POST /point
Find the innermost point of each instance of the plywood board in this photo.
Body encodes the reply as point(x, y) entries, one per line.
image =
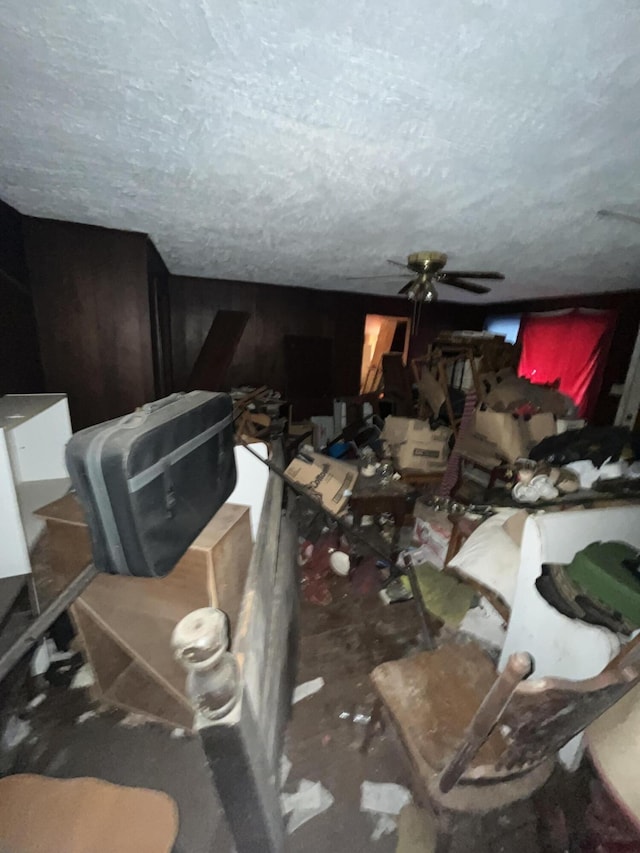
point(136, 690)
point(218, 350)
point(140, 626)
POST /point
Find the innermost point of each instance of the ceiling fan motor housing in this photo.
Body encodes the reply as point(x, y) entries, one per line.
point(426, 262)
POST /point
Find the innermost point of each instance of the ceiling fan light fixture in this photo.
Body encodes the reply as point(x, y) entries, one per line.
point(430, 294)
point(414, 290)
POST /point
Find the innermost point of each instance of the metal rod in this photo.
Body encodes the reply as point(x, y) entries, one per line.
point(300, 490)
point(39, 626)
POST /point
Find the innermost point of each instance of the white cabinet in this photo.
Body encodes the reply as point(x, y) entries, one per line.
point(34, 429)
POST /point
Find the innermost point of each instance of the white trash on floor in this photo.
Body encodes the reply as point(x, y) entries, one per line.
point(310, 800)
point(285, 769)
point(84, 677)
point(383, 801)
point(15, 731)
point(307, 688)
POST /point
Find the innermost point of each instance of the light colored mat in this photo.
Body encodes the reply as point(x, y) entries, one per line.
point(43, 815)
point(444, 596)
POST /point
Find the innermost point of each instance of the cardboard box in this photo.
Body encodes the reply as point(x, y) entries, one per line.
point(513, 436)
point(430, 388)
point(506, 392)
point(328, 480)
point(415, 446)
point(479, 450)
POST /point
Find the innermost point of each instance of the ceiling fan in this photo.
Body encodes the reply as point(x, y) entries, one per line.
point(428, 267)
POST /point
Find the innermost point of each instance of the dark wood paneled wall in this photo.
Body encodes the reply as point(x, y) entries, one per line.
point(91, 296)
point(627, 304)
point(160, 319)
point(20, 367)
point(277, 311)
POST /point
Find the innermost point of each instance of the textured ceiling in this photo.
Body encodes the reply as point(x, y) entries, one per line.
point(299, 141)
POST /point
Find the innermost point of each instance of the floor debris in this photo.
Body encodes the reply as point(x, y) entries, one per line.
point(383, 801)
point(310, 800)
point(285, 769)
point(14, 733)
point(383, 797)
point(87, 715)
point(307, 689)
point(84, 677)
point(132, 720)
point(385, 825)
point(37, 700)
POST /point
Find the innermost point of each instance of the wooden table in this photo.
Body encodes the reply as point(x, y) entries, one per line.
point(371, 497)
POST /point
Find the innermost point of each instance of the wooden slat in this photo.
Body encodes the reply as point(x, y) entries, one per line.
point(215, 357)
point(107, 658)
point(282, 645)
point(249, 643)
point(136, 690)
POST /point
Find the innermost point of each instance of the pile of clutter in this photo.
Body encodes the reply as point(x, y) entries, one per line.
point(600, 458)
point(415, 447)
point(513, 415)
point(259, 413)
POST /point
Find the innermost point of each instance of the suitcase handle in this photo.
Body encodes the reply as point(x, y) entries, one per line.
point(155, 405)
point(140, 415)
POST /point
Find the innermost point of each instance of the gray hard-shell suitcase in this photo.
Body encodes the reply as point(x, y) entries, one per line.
point(150, 481)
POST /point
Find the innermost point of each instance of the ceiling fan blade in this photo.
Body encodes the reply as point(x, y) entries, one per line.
point(495, 276)
point(398, 264)
point(613, 214)
point(454, 281)
point(405, 289)
point(364, 277)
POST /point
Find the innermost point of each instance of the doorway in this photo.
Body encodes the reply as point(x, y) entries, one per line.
point(381, 334)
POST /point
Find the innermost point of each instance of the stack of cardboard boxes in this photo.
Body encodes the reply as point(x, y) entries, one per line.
point(415, 447)
point(513, 416)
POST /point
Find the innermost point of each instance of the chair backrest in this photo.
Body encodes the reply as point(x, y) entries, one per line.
point(540, 716)
point(544, 714)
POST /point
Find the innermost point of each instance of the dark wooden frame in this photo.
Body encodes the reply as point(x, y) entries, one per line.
point(243, 748)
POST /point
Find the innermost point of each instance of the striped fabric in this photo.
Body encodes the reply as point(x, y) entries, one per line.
point(452, 472)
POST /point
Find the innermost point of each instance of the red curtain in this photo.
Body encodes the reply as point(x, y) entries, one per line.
point(569, 346)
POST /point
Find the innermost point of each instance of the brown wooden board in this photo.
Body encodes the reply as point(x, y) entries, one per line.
point(108, 660)
point(136, 690)
point(125, 623)
point(215, 357)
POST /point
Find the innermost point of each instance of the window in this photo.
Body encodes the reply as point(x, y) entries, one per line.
point(508, 325)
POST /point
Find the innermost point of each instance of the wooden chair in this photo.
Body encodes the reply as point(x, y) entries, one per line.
point(478, 742)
